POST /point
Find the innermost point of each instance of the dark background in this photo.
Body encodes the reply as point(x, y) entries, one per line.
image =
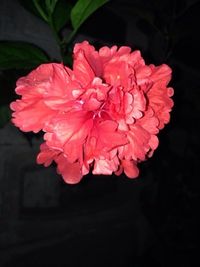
point(108, 221)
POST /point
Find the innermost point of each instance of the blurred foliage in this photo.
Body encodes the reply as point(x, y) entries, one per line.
point(20, 55)
point(82, 10)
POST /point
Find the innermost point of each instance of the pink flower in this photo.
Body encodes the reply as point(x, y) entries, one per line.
point(103, 115)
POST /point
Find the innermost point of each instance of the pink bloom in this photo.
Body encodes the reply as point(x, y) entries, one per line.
point(103, 115)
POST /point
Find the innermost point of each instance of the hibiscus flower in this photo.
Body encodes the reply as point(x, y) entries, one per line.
point(102, 115)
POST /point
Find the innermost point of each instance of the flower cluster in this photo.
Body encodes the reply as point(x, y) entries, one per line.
point(103, 115)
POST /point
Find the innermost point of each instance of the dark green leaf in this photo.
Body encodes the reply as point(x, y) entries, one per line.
point(83, 9)
point(20, 55)
point(61, 14)
point(50, 5)
point(29, 5)
point(42, 9)
point(5, 115)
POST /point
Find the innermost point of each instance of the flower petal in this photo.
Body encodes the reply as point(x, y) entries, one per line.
point(130, 168)
point(31, 116)
point(71, 172)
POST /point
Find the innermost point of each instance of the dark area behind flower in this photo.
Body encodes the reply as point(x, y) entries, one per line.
point(107, 220)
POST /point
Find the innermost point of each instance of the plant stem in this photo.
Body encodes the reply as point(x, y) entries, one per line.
point(55, 33)
point(58, 39)
point(70, 37)
point(49, 19)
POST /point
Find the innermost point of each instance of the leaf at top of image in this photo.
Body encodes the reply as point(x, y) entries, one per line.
point(50, 5)
point(20, 55)
point(83, 9)
point(61, 14)
point(30, 6)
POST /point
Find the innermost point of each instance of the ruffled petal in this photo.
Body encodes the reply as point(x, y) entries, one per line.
point(91, 55)
point(83, 72)
point(159, 95)
point(71, 172)
point(31, 116)
point(46, 155)
point(130, 168)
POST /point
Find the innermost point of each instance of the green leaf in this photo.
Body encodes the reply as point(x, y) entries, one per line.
point(29, 5)
point(83, 9)
point(50, 5)
point(61, 14)
point(41, 10)
point(5, 115)
point(20, 55)
point(33, 5)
